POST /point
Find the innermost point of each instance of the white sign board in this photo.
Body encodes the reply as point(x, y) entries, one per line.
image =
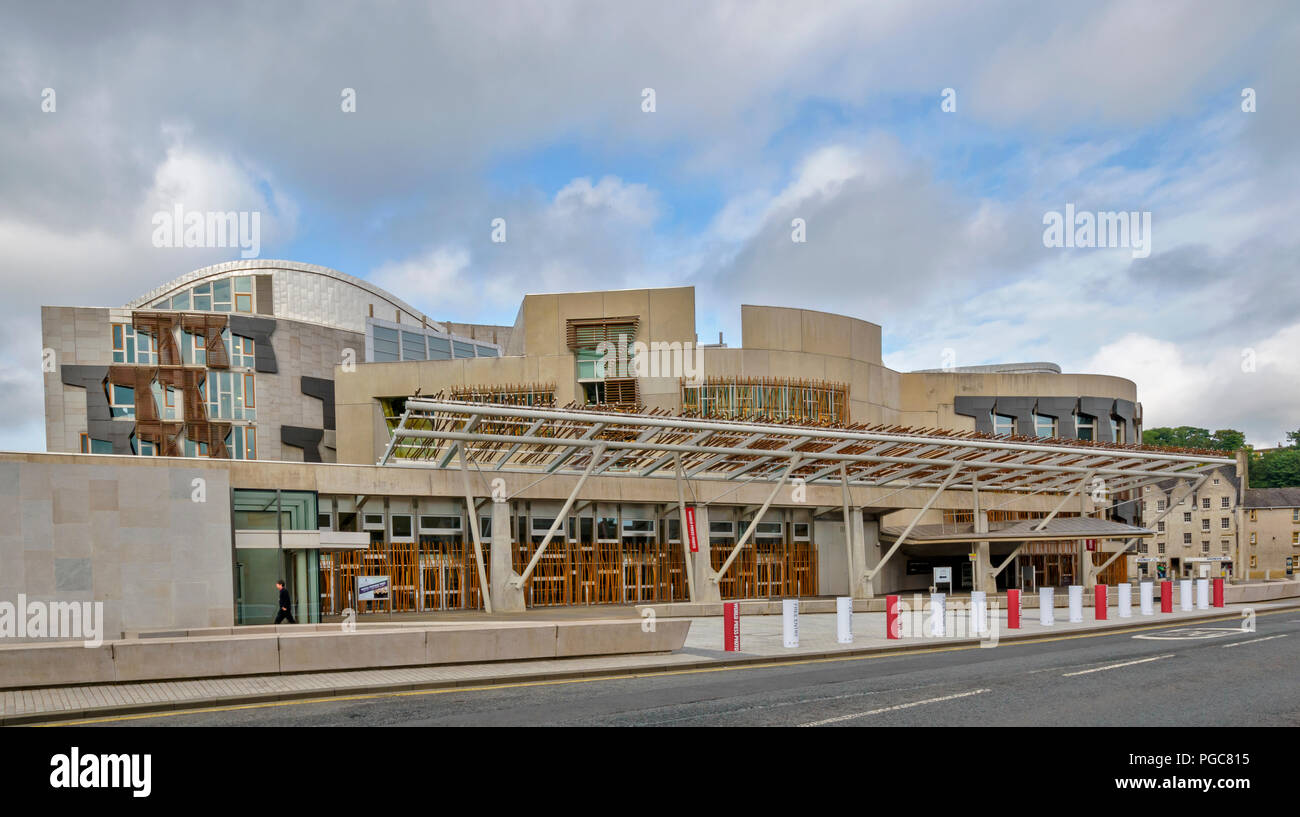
point(943, 574)
point(372, 588)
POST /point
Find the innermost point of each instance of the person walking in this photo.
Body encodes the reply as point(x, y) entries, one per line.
point(286, 606)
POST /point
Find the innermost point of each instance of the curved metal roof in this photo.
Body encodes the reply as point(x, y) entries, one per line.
point(261, 265)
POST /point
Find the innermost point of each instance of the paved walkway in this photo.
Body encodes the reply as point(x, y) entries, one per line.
point(761, 640)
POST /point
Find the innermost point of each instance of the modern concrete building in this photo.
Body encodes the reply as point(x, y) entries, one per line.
point(802, 465)
point(238, 361)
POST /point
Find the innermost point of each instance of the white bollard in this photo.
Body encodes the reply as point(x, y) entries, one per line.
point(1125, 599)
point(790, 614)
point(1076, 602)
point(1202, 594)
point(1146, 591)
point(1185, 594)
point(978, 612)
point(1046, 608)
point(844, 620)
point(937, 613)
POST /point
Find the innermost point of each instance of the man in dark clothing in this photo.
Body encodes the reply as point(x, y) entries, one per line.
point(285, 605)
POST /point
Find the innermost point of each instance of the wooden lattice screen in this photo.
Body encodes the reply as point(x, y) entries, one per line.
point(443, 576)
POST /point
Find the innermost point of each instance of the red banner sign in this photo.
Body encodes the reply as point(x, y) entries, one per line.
point(690, 529)
point(731, 626)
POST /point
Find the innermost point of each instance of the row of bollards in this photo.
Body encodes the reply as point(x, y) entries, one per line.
point(979, 609)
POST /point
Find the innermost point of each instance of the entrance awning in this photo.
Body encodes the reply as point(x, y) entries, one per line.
point(1067, 528)
point(543, 441)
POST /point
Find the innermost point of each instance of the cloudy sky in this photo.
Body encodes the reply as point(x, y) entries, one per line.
point(928, 222)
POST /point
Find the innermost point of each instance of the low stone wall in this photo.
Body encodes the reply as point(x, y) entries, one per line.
point(222, 652)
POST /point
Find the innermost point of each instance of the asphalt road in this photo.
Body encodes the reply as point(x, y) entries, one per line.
point(1208, 674)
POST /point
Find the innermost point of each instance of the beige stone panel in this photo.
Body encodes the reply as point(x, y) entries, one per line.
point(771, 327)
point(541, 319)
point(723, 362)
point(560, 370)
point(618, 637)
point(839, 370)
point(318, 652)
point(826, 334)
point(160, 658)
point(885, 391)
point(755, 363)
point(672, 315)
point(468, 645)
point(626, 302)
point(31, 665)
point(355, 439)
point(866, 342)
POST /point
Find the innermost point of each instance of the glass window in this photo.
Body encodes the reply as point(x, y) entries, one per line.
point(1086, 426)
point(1044, 426)
point(241, 442)
point(401, 526)
point(1225, 502)
point(428, 523)
point(221, 295)
point(121, 400)
point(1205, 502)
point(1223, 523)
point(587, 360)
point(243, 303)
point(244, 283)
point(638, 527)
point(194, 349)
point(487, 351)
point(241, 352)
point(1002, 424)
point(462, 349)
point(181, 300)
point(1117, 430)
point(606, 529)
point(385, 350)
point(439, 348)
point(203, 297)
point(413, 346)
point(229, 395)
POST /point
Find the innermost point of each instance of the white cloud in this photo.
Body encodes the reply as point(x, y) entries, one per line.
point(1208, 388)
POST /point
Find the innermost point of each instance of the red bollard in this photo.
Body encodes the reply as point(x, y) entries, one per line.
point(731, 626)
point(1099, 603)
point(893, 626)
point(1013, 609)
point(1218, 592)
point(1166, 597)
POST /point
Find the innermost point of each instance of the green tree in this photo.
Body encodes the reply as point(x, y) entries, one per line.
point(1225, 439)
point(1279, 468)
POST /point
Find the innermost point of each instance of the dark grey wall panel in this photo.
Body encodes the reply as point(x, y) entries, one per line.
point(322, 389)
point(1062, 408)
point(260, 330)
point(1101, 408)
point(265, 294)
point(1022, 408)
point(977, 407)
point(308, 439)
point(1126, 410)
point(100, 424)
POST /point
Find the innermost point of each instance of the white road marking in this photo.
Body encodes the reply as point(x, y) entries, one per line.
point(1256, 640)
point(1192, 634)
point(1117, 666)
point(896, 707)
